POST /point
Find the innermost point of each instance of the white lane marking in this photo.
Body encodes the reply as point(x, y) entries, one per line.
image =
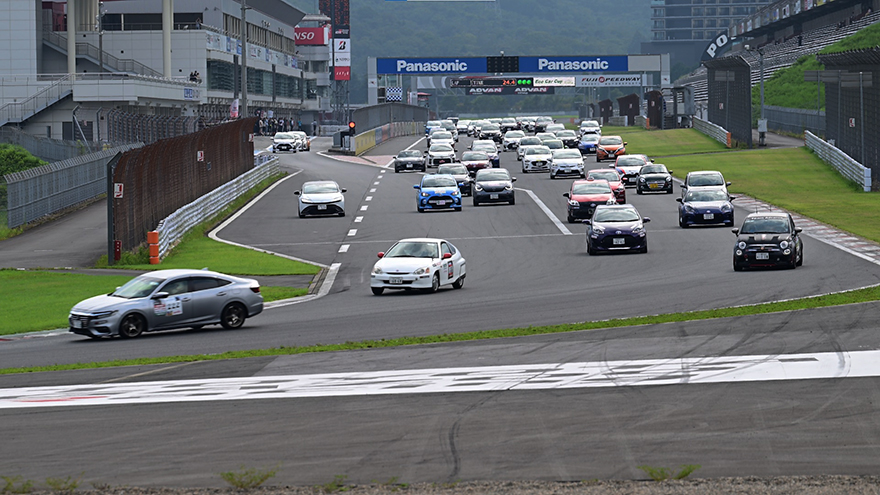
point(358, 219)
point(379, 177)
point(326, 285)
point(408, 148)
point(352, 232)
point(368, 198)
point(214, 233)
point(344, 248)
point(364, 208)
point(372, 190)
point(376, 183)
point(551, 376)
point(562, 228)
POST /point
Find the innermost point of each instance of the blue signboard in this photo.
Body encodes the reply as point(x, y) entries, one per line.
point(616, 63)
point(414, 65)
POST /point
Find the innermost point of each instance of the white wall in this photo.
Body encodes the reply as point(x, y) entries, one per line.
point(18, 36)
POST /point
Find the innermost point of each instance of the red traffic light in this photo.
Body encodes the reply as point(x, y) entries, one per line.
point(351, 125)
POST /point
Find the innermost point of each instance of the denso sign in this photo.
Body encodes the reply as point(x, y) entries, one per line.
point(310, 36)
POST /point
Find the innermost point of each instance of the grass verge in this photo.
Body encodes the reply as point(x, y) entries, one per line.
point(869, 294)
point(665, 143)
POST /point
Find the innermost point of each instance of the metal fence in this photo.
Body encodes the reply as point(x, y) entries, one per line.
point(131, 127)
point(716, 132)
point(50, 150)
point(794, 120)
point(378, 115)
point(159, 178)
point(41, 191)
point(844, 164)
point(730, 96)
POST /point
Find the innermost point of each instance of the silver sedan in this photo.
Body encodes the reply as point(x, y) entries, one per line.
point(168, 299)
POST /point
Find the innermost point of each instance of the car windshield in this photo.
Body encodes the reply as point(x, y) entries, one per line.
point(137, 287)
point(448, 125)
point(615, 215)
point(440, 147)
point(566, 134)
point(609, 175)
point(590, 123)
point(409, 154)
point(413, 249)
point(710, 195)
point(544, 119)
point(545, 135)
point(452, 169)
point(493, 174)
point(652, 169)
point(433, 123)
point(486, 148)
point(591, 188)
point(590, 138)
point(765, 225)
point(441, 135)
point(491, 127)
point(514, 134)
point(706, 180)
point(566, 154)
point(508, 120)
point(630, 161)
point(538, 150)
point(471, 156)
point(530, 141)
point(438, 181)
point(611, 140)
point(284, 135)
point(320, 187)
point(554, 144)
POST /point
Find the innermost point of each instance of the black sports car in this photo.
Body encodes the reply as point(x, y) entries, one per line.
point(654, 177)
point(409, 160)
point(768, 239)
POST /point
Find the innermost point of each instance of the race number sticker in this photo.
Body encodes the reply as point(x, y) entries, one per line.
point(173, 307)
point(449, 267)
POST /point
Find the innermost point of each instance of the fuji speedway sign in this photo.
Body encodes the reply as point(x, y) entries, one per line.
point(604, 81)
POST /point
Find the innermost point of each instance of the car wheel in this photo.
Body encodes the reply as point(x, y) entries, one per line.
point(273, 151)
point(512, 201)
point(737, 267)
point(377, 291)
point(396, 171)
point(458, 284)
point(669, 191)
point(570, 219)
point(435, 283)
point(458, 209)
point(590, 250)
point(341, 213)
point(644, 249)
point(552, 177)
point(233, 316)
point(800, 261)
point(421, 210)
point(638, 191)
point(132, 326)
point(476, 203)
point(598, 159)
point(681, 222)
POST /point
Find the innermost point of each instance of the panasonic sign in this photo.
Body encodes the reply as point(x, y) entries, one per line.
point(430, 65)
point(573, 64)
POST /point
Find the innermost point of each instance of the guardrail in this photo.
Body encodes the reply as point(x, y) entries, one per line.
point(173, 227)
point(365, 141)
point(714, 131)
point(844, 164)
point(21, 110)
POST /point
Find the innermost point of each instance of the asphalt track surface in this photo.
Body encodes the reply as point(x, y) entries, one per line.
point(522, 270)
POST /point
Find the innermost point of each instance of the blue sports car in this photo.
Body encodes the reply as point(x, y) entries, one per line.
point(705, 205)
point(438, 191)
point(588, 144)
point(616, 228)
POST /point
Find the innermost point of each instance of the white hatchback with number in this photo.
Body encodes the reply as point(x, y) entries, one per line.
point(420, 263)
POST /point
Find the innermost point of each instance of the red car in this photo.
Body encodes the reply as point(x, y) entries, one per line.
point(614, 181)
point(610, 147)
point(585, 195)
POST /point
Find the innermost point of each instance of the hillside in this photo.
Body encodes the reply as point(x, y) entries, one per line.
point(518, 27)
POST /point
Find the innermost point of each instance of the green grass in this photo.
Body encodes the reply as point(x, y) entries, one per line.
point(850, 297)
point(43, 299)
point(665, 143)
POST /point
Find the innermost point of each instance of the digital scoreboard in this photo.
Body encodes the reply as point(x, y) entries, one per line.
point(494, 82)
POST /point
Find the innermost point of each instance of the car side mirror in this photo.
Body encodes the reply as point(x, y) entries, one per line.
point(381, 255)
point(735, 231)
point(611, 166)
point(624, 143)
point(566, 195)
point(798, 230)
point(416, 186)
point(344, 190)
point(646, 219)
point(679, 199)
point(669, 171)
point(446, 256)
point(297, 192)
point(513, 179)
point(587, 222)
point(728, 183)
point(731, 198)
point(159, 295)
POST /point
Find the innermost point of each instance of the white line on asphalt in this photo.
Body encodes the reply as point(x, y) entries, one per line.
point(358, 219)
point(364, 208)
point(408, 148)
point(352, 232)
point(495, 379)
point(368, 198)
point(373, 189)
point(344, 248)
point(376, 183)
point(323, 291)
point(562, 228)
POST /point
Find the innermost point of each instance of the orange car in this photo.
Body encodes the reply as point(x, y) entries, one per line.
point(610, 147)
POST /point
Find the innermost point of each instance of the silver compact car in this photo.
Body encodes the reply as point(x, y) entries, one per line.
point(165, 300)
point(321, 197)
point(285, 141)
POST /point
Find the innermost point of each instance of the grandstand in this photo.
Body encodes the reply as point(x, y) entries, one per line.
point(780, 54)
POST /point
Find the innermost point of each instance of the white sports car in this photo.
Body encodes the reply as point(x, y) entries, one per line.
point(421, 263)
point(321, 197)
point(536, 159)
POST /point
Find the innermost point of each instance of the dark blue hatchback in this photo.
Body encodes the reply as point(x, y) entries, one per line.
point(616, 228)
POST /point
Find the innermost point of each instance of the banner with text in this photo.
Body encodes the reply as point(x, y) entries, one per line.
point(609, 81)
point(510, 90)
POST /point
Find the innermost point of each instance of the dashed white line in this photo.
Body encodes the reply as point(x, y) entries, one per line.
point(368, 198)
point(358, 219)
point(352, 232)
point(364, 208)
point(376, 183)
point(373, 189)
point(344, 248)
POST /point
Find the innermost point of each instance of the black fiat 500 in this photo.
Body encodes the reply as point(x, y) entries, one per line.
point(768, 239)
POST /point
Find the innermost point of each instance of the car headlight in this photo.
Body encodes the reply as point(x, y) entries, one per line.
point(638, 230)
point(611, 201)
point(377, 270)
point(783, 244)
point(726, 208)
point(641, 179)
point(456, 193)
point(689, 208)
point(478, 187)
point(668, 178)
point(572, 202)
point(425, 195)
point(423, 270)
point(104, 314)
point(598, 230)
point(741, 245)
point(508, 187)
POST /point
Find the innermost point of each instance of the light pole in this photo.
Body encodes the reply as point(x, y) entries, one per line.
point(243, 108)
point(762, 122)
point(99, 26)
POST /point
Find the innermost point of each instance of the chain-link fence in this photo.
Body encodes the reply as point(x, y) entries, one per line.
point(130, 127)
point(730, 96)
point(157, 179)
point(794, 120)
point(50, 150)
